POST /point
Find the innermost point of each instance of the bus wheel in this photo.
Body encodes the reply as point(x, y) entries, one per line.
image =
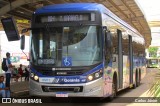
point(137, 80)
point(134, 86)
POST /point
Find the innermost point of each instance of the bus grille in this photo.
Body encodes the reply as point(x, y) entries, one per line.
point(62, 88)
point(61, 73)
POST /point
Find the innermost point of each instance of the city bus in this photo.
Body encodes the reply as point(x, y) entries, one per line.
point(153, 62)
point(83, 50)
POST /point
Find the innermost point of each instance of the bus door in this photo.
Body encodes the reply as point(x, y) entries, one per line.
point(126, 59)
point(130, 60)
point(120, 59)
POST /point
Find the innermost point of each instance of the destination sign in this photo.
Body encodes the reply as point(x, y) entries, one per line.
point(66, 18)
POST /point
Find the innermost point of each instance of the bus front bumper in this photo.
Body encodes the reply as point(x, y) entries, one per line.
point(90, 89)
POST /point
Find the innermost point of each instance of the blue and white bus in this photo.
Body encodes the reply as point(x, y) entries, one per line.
point(153, 62)
point(83, 50)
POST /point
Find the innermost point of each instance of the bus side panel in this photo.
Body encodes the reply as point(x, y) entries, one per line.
point(108, 75)
point(107, 78)
point(135, 67)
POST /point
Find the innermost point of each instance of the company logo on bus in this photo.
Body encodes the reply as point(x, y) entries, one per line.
point(65, 80)
point(71, 80)
point(56, 80)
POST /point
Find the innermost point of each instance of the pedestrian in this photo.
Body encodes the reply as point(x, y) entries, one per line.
point(9, 71)
point(20, 71)
point(4, 91)
point(26, 74)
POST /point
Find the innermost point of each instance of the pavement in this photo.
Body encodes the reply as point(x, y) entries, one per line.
point(19, 88)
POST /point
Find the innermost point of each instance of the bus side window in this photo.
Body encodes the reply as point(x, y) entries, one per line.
point(108, 46)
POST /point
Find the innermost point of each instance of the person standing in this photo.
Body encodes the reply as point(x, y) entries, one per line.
point(20, 71)
point(8, 72)
point(26, 74)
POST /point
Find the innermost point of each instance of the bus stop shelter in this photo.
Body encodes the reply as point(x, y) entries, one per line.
point(128, 10)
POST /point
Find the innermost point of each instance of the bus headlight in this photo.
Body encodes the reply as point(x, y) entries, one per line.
point(90, 77)
point(95, 75)
point(34, 77)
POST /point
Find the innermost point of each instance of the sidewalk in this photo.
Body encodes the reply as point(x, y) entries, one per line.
point(19, 89)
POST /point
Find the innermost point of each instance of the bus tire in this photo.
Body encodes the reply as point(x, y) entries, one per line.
point(114, 88)
point(137, 79)
point(134, 86)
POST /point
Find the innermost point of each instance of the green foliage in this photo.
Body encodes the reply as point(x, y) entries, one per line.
point(155, 88)
point(153, 51)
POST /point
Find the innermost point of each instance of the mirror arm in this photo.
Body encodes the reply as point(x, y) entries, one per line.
point(25, 30)
point(26, 56)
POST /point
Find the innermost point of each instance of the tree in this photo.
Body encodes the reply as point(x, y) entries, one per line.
point(153, 51)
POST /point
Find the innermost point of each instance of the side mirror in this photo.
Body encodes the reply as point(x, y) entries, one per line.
point(108, 39)
point(22, 42)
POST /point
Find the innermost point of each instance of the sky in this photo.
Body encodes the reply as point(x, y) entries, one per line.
point(12, 46)
point(151, 10)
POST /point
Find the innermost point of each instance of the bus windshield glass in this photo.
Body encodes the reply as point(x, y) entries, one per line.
point(66, 46)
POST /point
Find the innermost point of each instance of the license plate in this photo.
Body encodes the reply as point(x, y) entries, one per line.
point(61, 94)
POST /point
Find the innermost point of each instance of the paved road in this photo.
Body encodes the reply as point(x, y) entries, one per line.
point(123, 96)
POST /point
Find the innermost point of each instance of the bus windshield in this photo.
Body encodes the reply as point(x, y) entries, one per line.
point(66, 46)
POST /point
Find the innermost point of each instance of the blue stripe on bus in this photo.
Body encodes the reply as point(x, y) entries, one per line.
point(69, 7)
point(69, 79)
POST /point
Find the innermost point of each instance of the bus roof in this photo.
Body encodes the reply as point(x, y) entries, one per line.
point(71, 7)
point(76, 7)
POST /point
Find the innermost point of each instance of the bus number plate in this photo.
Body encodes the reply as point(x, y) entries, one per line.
point(61, 94)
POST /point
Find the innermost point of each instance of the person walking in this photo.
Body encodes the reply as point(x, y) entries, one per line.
point(9, 71)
